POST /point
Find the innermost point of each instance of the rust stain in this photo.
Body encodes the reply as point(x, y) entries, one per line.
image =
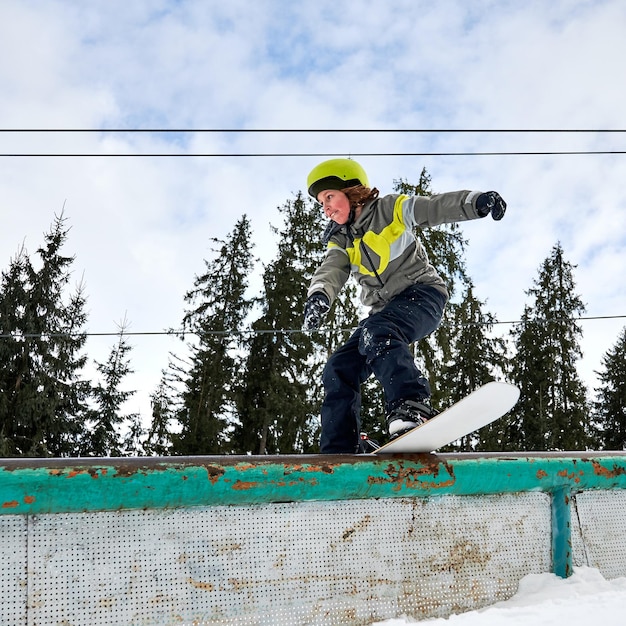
point(461, 554)
point(29, 499)
point(198, 584)
point(362, 525)
point(570, 475)
point(294, 483)
point(239, 585)
point(75, 472)
point(414, 477)
point(607, 473)
point(228, 547)
point(93, 472)
point(126, 471)
point(244, 467)
point(10, 505)
point(325, 468)
point(214, 473)
point(541, 474)
point(241, 485)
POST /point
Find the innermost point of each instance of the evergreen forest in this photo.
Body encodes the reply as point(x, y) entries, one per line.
point(248, 381)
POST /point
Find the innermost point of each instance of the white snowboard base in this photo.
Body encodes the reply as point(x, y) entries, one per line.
point(479, 408)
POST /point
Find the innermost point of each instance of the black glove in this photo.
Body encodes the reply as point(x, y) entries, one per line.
point(491, 202)
point(315, 309)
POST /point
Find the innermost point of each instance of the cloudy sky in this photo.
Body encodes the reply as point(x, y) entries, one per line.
point(141, 225)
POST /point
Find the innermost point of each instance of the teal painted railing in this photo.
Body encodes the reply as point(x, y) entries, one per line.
point(38, 486)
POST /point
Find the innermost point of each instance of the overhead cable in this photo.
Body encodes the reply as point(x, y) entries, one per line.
point(285, 331)
point(308, 154)
point(313, 130)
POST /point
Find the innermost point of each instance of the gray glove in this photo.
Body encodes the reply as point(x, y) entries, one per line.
point(315, 310)
point(490, 202)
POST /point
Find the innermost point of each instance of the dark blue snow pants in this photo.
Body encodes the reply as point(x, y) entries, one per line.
point(379, 346)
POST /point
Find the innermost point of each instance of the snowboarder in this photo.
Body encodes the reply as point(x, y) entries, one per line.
point(372, 237)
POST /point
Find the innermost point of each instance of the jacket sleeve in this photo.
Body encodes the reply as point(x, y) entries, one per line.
point(332, 274)
point(444, 208)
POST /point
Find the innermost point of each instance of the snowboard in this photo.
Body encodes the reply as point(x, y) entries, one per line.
point(481, 407)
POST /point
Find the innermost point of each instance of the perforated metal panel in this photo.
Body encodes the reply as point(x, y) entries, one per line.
point(346, 562)
point(601, 516)
point(13, 577)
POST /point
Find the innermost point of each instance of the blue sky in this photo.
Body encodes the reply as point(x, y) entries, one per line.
point(397, 64)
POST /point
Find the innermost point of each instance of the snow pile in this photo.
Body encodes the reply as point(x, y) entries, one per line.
point(544, 599)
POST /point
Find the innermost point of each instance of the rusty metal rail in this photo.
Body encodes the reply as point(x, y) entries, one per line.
point(35, 486)
point(256, 540)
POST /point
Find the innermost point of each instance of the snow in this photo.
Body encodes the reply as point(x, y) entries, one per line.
point(584, 598)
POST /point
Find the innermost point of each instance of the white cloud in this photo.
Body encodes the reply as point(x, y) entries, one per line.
point(310, 64)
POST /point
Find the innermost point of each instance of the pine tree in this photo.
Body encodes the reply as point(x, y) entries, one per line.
point(164, 405)
point(219, 308)
point(475, 358)
point(44, 398)
point(105, 421)
point(445, 247)
point(610, 403)
point(276, 411)
point(133, 439)
point(552, 412)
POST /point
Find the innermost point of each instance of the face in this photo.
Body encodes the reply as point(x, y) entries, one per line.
point(335, 204)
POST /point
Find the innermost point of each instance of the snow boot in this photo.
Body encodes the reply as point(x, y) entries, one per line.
point(409, 414)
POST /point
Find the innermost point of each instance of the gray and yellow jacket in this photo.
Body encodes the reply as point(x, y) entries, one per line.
point(381, 251)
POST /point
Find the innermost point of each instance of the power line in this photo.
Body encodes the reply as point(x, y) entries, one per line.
point(286, 331)
point(315, 130)
point(311, 154)
point(430, 131)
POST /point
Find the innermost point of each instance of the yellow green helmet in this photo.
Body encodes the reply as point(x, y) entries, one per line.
point(335, 174)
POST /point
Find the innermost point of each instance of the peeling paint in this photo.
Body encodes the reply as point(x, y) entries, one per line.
point(214, 473)
point(325, 469)
point(573, 476)
point(241, 485)
point(32, 486)
point(599, 470)
point(414, 477)
point(244, 467)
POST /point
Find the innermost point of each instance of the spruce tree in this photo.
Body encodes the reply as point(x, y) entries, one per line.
point(445, 247)
point(219, 307)
point(105, 420)
point(552, 413)
point(610, 402)
point(475, 358)
point(275, 407)
point(134, 437)
point(164, 402)
point(44, 397)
